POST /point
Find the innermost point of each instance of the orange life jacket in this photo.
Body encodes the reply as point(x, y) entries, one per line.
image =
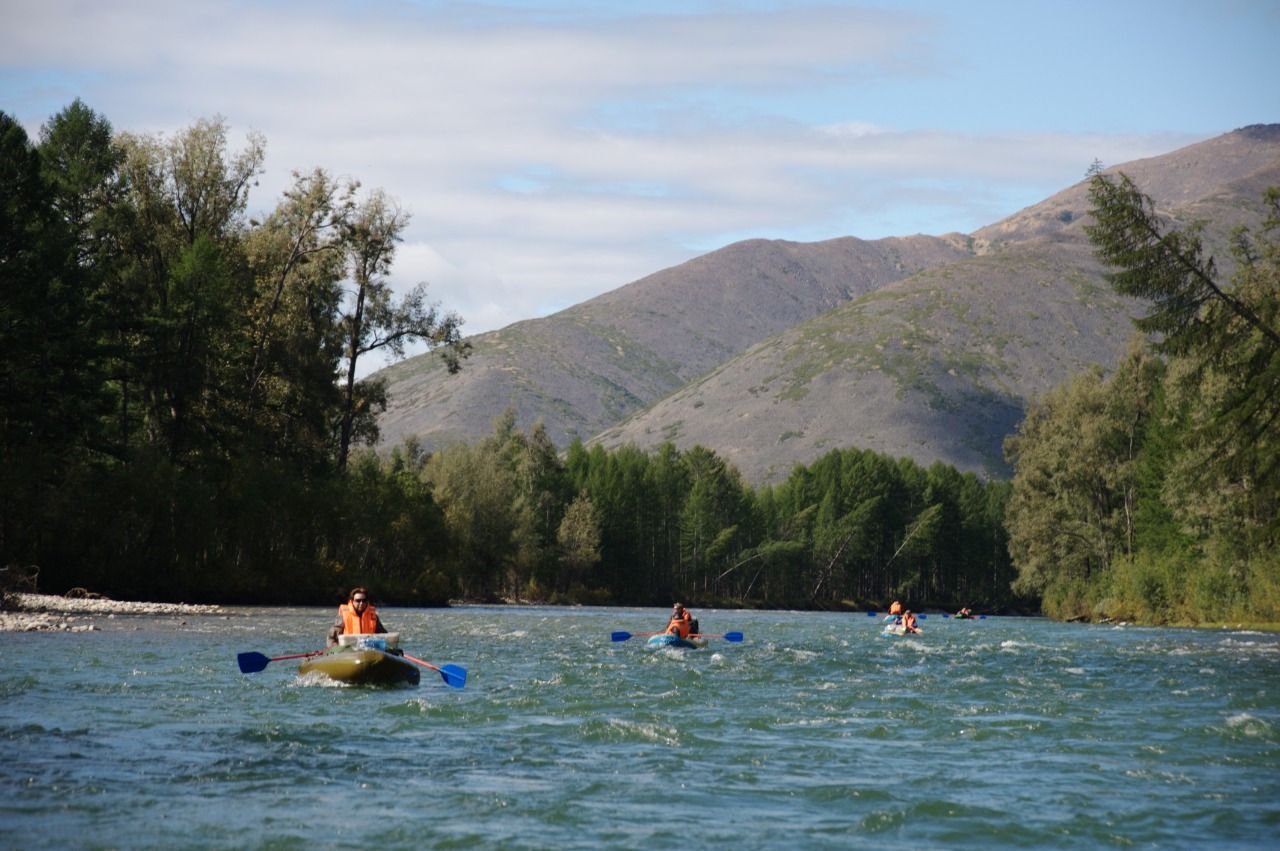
point(353, 623)
point(681, 625)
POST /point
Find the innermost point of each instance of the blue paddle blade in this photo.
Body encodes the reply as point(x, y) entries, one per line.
point(454, 675)
point(922, 616)
point(252, 663)
point(733, 636)
point(871, 614)
point(620, 636)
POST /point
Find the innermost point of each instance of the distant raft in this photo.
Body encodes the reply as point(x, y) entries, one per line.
point(669, 640)
point(365, 660)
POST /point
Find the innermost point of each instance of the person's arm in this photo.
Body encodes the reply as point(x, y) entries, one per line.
point(334, 631)
point(378, 627)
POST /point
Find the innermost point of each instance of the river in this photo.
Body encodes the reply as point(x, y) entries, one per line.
point(813, 732)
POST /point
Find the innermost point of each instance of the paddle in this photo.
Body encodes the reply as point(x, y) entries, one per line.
point(252, 663)
point(453, 675)
point(623, 636)
point(727, 636)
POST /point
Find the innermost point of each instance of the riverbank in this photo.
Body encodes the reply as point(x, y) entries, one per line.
point(51, 613)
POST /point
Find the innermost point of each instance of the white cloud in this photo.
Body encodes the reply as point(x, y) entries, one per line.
point(550, 157)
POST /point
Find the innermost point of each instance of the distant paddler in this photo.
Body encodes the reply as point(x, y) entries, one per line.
point(682, 623)
point(909, 624)
point(357, 616)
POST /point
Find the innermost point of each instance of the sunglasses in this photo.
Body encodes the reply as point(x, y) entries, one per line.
point(359, 600)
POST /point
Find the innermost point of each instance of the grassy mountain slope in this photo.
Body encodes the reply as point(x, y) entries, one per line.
point(586, 368)
point(940, 366)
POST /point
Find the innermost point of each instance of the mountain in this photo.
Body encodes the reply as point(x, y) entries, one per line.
point(584, 369)
point(940, 365)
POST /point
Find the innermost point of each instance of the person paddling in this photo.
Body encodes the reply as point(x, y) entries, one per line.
point(682, 623)
point(909, 622)
point(355, 617)
point(894, 618)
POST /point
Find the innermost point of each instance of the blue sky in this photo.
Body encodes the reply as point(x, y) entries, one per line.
point(550, 151)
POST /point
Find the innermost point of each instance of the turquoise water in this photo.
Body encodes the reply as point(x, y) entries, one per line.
point(815, 732)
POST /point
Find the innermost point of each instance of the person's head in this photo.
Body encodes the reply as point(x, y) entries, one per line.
point(359, 598)
point(677, 609)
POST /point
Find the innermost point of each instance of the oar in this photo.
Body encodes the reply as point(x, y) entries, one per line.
point(727, 636)
point(623, 636)
point(252, 663)
point(453, 675)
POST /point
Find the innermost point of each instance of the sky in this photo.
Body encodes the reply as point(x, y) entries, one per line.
point(552, 150)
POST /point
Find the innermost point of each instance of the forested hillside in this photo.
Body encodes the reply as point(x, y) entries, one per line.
point(181, 420)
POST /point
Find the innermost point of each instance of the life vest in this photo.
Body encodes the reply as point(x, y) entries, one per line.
point(353, 624)
point(681, 626)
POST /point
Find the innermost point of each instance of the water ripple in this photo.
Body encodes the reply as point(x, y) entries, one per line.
point(815, 732)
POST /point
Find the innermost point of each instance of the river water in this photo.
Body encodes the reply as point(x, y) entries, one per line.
point(814, 732)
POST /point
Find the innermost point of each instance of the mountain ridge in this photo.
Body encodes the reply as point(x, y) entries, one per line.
point(772, 353)
point(584, 368)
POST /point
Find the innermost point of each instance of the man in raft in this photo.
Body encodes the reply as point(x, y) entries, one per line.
point(682, 623)
point(357, 616)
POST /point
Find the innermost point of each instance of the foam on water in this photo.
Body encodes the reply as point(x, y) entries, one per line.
point(814, 732)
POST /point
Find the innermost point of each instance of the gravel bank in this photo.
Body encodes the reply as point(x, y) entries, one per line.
point(50, 613)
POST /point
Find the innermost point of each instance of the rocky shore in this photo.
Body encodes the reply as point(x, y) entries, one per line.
point(50, 613)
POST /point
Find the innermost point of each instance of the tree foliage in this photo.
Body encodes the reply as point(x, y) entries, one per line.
point(173, 413)
point(1154, 493)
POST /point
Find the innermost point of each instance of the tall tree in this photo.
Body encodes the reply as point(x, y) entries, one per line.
point(375, 321)
point(182, 284)
point(1065, 518)
point(1166, 266)
point(40, 306)
point(1224, 339)
point(579, 539)
point(79, 161)
point(298, 262)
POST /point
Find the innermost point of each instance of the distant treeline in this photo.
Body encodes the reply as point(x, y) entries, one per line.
point(181, 420)
point(1153, 494)
point(853, 528)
